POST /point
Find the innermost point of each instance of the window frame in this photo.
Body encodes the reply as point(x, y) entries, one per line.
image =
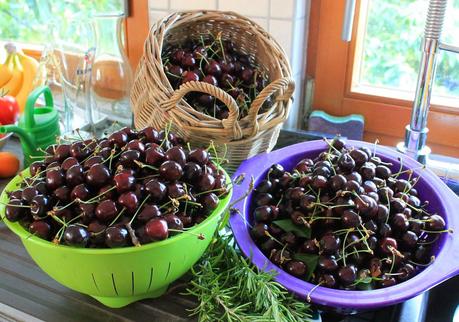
point(331, 64)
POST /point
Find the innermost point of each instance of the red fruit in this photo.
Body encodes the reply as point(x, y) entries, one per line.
point(9, 110)
point(157, 229)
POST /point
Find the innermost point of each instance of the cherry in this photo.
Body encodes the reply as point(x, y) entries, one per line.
point(279, 257)
point(347, 274)
point(387, 281)
point(227, 80)
point(276, 171)
point(28, 193)
point(124, 181)
point(435, 223)
point(76, 236)
point(199, 156)
point(338, 182)
point(98, 175)
point(74, 175)
point(67, 163)
point(388, 245)
point(327, 263)
point(359, 156)
point(329, 244)
point(409, 239)
point(210, 79)
point(129, 158)
point(62, 152)
point(259, 231)
point(188, 76)
point(177, 154)
point(383, 172)
point(157, 229)
point(405, 272)
point(156, 189)
point(36, 167)
point(62, 193)
point(170, 170)
point(96, 231)
point(178, 55)
point(192, 171)
point(319, 182)
point(39, 206)
point(262, 199)
point(87, 211)
point(247, 76)
point(54, 178)
point(400, 222)
point(173, 222)
point(79, 151)
point(149, 134)
point(148, 212)
point(188, 60)
point(106, 210)
point(327, 280)
point(154, 155)
point(129, 201)
point(346, 162)
point(175, 190)
point(350, 219)
point(227, 67)
point(40, 229)
point(209, 201)
point(206, 182)
point(116, 236)
point(14, 211)
point(368, 171)
point(263, 214)
point(213, 68)
point(81, 192)
point(119, 138)
point(92, 161)
point(296, 268)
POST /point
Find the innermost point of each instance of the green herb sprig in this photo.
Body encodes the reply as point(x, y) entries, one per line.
point(229, 288)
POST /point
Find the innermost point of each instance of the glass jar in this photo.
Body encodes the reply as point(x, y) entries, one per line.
point(112, 77)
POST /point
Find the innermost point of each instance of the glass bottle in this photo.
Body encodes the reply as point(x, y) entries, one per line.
point(112, 77)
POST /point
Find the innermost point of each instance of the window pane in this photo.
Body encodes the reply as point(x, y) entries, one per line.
point(26, 21)
point(391, 46)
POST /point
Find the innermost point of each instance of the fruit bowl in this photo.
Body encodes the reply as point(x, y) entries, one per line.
point(120, 276)
point(430, 187)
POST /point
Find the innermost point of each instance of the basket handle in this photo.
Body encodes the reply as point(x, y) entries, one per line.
point(229, 123)
point(284, 85)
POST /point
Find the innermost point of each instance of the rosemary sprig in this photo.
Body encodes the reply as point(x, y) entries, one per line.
point(229, 288)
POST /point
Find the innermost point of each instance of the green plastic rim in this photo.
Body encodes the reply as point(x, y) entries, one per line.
point(23, 233)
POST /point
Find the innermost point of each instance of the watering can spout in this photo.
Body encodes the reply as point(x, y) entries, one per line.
point(26, 138)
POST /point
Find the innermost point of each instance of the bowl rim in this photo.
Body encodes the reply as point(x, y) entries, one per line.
point(427, 278)
point(20, 231)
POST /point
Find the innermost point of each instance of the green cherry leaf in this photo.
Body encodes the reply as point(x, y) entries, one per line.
point(310, 260)
point(288, 225)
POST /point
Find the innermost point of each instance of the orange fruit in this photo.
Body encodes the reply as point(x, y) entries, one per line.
point(9, 165)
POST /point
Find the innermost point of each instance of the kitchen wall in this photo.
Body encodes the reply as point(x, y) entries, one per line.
point(286, 20)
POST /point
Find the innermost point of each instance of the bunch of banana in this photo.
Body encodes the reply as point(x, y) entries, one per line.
point(17, 74)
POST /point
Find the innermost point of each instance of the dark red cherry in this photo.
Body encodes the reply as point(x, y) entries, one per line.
point(28, 193)
point(62, 152)
point(62, 194)
point(329, 244)
point(188, 60)
point(173, 222)
point(191, 171)
point(106, 210)
point(14, 211)
point(135, 145)
point(40, 229)
point(39, 206)
point(296, 268)
point(175, 190)
point(156, 189)
point(124, 181)
point(188, 76)
point(170, 170)
point(206, 182)
point(130, 159)
point(116, 236)
point(79, 151)
point(67, 163)
point(148, 212)
point(92, 161)
point(200, 156)
point(54, 179)
point(177, 154)
point(347, 274)
point(435, 223)
point(129, 201)
point(81, 192)
point(388, 245)
point(118, 139)
point(98, 175)
point(157, 229)
point(213, 68)
point(74, 175)
point(209, 201)
point(36, 167)
point(76, 236)
point(154, 155)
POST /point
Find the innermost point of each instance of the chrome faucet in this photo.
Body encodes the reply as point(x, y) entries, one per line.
point(416, 132)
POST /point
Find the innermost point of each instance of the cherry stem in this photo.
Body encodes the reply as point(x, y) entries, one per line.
point(200, 235)
point(308, 296)
point(134, 238)
point(432, 259)
point(449, 230)
point(138, 209)
point(118, 216)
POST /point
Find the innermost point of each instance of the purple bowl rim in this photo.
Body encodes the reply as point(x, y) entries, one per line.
point(445, 266)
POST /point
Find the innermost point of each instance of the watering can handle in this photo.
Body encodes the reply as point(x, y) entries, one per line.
point(32, 99)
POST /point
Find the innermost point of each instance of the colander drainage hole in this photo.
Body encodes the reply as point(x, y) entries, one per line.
point(95, 284)
point(114, 284)
point(168, 270)
point(151, 279)
point(132, 281)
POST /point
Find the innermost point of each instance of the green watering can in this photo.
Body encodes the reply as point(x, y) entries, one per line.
point(38, 127)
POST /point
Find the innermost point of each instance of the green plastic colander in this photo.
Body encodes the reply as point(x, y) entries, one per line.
point(120, 276)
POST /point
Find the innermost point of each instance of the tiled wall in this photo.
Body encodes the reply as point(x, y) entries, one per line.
point(286, 20)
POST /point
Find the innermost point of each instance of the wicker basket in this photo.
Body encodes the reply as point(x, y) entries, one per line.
point(156, 103)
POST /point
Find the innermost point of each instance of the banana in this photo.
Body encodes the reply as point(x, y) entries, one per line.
point(29, 67)
point(5, 72)
point(14, 84)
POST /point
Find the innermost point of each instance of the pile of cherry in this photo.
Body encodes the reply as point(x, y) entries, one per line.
point(130, 188)
point(215, 61)
point(345, 220)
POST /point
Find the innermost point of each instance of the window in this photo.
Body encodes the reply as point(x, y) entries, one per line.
point(389, 56)
point(375, 74)
point(27, 22)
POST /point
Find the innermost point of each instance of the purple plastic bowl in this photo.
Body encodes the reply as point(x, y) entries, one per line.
point(430, 187)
